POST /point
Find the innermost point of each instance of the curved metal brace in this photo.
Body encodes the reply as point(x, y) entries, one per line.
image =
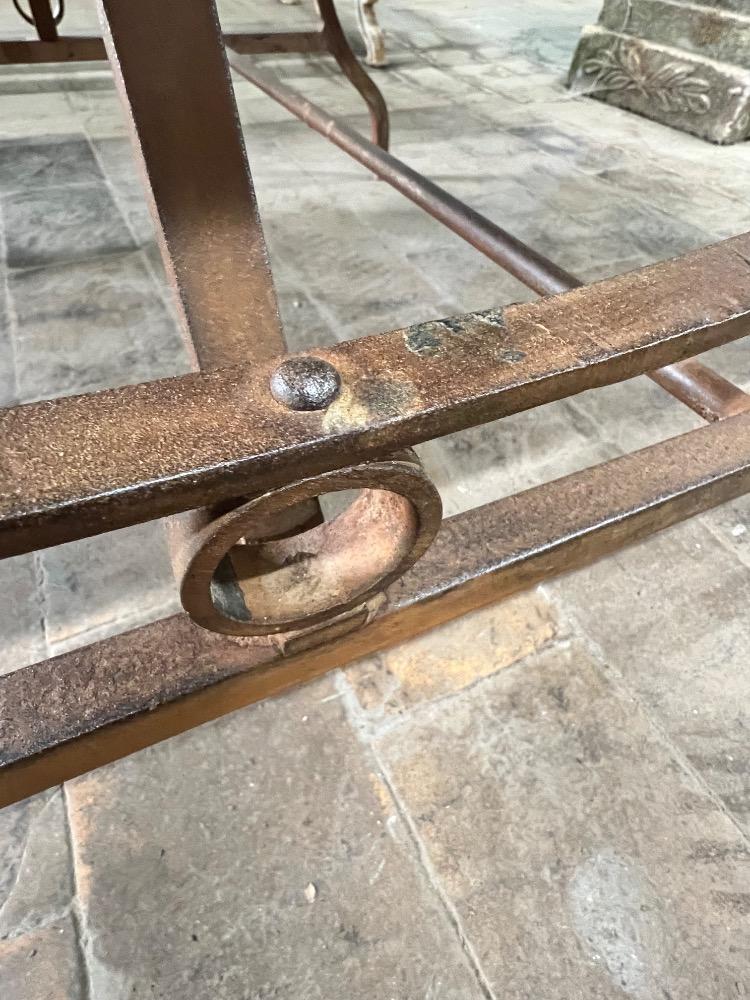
point(338, 45)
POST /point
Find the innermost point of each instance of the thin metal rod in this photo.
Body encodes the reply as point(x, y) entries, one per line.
point(510, 253)
point(702, 389)
point(692, 383)
point(338, 45)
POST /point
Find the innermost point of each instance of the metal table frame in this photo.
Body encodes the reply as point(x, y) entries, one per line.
point(235, 454)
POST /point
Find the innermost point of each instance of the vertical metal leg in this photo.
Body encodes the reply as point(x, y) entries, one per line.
point(339, 47)
point(44, 20)
point(170, 66)
point(372, 33)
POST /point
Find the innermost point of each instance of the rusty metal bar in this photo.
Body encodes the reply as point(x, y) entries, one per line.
point(702, 389)
point(44, 20)
point(277, 42)
point(172, 75)
point(170, 68)
point(83, 48)
point(81, 465)
point(84, 709)
point(66, 48)
point(336, 43)
point(694, 386)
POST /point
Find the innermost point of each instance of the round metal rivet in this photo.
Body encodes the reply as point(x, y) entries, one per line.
point(305, 383)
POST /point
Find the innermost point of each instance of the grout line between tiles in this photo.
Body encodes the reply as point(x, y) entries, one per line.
point(420, 850)
point(614, 676)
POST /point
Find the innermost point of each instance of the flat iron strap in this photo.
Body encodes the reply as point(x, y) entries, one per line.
point(86, 708)
point(82, 465)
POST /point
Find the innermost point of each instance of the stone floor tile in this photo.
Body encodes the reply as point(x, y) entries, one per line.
point(452, 657)
point(531, 89)
point(368, 291)
point(473, 281)
point(133, 205)
point(43, 965)
point(732, 361)
point(702, 204)
point(305, 324)
point(47, 163)
point(569, 145)
point(580, 859)
point(106, 584)
point(36, 879)
point(520, 451)
point(90, 325)
point(21, 614)
point(99, 113)
point(684, 662)
point(117, 159)
point(51, 225)
point(29, 115)
point(383, 296)
point(648, 229)
point(432, 80)
point(613, 231)
point(399, 228)
point(731, 523)
point(55, 78)
point(258, 857)
point(599, 269)
point(635, 414)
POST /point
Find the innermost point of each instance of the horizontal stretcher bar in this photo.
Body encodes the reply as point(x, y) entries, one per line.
point(82, 465)
point(78, 711)
point(88, 48)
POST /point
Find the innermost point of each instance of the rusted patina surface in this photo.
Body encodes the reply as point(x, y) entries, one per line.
point(702, 389)
point(280, 584)
point(171, 71)
point(83, 709)
point(337, 44)
point(89, 48)
point(78, 466)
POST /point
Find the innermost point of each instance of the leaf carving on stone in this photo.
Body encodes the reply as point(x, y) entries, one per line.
point(674, 86)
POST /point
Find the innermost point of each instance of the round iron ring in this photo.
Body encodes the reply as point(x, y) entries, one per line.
point(237, 580)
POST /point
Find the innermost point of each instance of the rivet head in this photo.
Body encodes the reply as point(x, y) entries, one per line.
point(305, 383)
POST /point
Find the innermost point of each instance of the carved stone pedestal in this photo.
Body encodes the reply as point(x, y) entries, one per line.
point(684, 64)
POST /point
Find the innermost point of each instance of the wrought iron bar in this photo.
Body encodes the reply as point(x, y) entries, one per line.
point(81, 465)
point(84, 709)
